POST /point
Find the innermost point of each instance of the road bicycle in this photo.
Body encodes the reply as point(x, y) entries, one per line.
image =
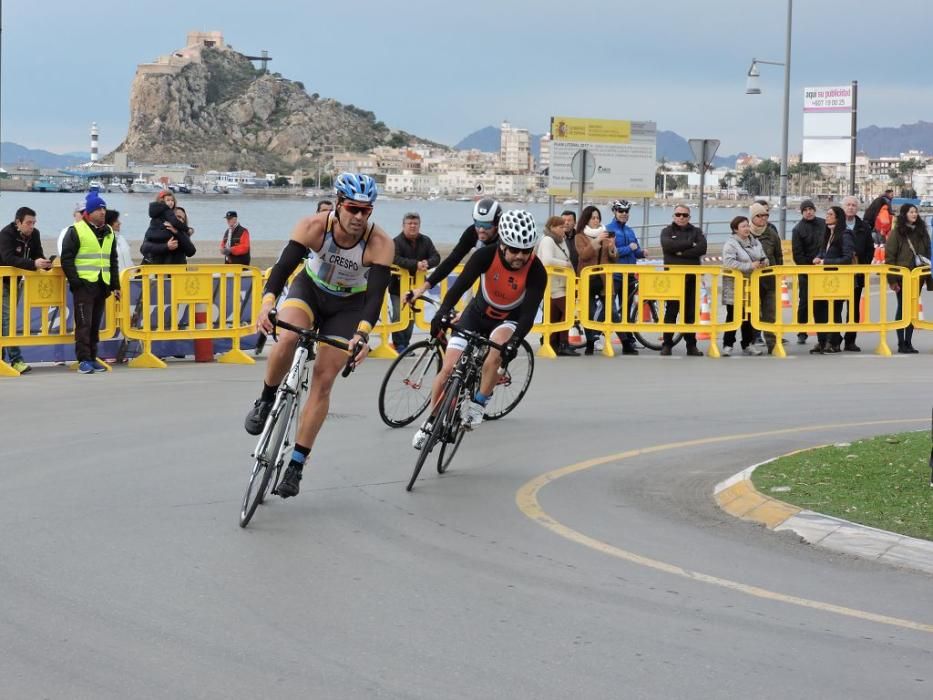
point(406, 388)
point(446, 421)
point(278, 437)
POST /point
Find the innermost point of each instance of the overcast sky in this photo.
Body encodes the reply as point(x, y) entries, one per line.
point(444, 69)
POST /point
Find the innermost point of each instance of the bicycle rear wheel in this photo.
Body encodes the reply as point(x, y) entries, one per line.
point(439, 426)
point(406, 387)
point(511, 386)
point(650, 313)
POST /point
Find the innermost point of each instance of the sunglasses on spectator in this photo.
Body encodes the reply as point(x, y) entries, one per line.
point(354, 209)
point(483, 225)
point(764, 215)
point(682, 214)
point(518, 251)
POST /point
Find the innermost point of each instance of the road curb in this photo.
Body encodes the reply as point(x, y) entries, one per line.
point(738, 497)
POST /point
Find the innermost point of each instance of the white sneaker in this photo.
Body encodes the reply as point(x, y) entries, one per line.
point(726, 351)
point(599, 344)
point(753, 350)
point(472, 414)
point(420, 437)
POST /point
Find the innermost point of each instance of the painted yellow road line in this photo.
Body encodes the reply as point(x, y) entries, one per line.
point(527, 501)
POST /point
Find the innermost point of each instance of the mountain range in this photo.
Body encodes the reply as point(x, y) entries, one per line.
point(12, 154)
point(873, 140)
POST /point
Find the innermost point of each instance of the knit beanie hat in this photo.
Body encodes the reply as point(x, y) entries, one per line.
point(807, 204)
point(93, 202)
point(757, 209)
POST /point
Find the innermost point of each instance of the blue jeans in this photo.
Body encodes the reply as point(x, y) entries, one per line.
point(13, 353)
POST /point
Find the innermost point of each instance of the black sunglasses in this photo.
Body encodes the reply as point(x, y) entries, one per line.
point(518, 251)
point(353, 209)
point(682, 214)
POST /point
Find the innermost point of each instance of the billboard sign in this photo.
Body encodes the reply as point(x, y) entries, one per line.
point(827, 124)
point(620, 154)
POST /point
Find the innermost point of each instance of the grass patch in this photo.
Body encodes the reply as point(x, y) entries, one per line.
point(882, 481)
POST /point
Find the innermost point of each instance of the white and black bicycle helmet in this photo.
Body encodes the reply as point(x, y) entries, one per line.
point(517, 229)
point(487, 211)
point(621, 205)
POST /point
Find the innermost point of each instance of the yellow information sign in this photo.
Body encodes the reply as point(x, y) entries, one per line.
point(592, 130)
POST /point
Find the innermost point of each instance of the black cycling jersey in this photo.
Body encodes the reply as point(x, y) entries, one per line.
point(468, 241)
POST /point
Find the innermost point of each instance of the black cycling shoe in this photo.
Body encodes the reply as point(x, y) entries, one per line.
point(256, 418)
point(288, 487)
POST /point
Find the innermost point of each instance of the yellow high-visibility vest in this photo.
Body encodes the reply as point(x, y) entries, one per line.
point(93, 258)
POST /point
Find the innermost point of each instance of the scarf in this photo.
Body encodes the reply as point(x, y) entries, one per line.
point(592, 234)
point(758, 230)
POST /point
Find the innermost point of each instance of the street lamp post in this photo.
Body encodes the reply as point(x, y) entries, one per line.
point(751, 88)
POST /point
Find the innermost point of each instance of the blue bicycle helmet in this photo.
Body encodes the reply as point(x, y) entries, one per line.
point(356, 187)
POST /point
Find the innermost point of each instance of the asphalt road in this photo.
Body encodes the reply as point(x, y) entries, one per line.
point(124, 573)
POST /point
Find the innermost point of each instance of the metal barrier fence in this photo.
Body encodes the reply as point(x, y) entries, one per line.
point(179, 302)
point(695, 289)
point(825, 290)
point(38, 305)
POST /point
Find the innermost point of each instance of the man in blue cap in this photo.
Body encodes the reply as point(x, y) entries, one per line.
point(89, 261)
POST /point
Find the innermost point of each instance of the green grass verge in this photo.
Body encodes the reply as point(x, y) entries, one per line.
point(882, 481)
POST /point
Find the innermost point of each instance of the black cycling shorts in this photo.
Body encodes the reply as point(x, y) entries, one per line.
point(475, 320)
point(333, 316)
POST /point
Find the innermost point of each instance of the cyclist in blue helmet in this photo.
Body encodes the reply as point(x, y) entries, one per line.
point(339, 293)
point(356, 188)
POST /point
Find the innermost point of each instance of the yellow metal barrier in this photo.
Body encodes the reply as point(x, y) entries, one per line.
point(385, 326)
point(421, 320)
point(833, 286)
point(919, 277)
point(170, 293)
point(659, 284)
point(547, 326)
point(44, 293)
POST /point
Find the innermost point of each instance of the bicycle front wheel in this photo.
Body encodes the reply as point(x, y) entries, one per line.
point(440, 424)
point(511, 386)
point(451, 439)
point(650, 313)
point(255, 490)
point(406, 388)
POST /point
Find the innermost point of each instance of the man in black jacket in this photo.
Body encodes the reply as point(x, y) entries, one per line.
point(20, 246)
point(683, 244)
point(414, 252)
point(864, 253)
point(807, 245)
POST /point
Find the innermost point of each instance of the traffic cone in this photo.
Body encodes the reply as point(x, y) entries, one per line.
point(575, 336)
point(704, 313)
point(878, 258)
point(785, 295)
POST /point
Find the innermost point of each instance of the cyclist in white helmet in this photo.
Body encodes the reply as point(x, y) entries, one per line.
point(484, 231)
point(511, 289)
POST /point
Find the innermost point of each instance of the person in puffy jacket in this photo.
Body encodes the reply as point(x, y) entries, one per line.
point(168, 239)
point(742, 252)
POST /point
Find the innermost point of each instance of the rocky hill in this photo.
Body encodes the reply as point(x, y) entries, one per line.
point(209, 106)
